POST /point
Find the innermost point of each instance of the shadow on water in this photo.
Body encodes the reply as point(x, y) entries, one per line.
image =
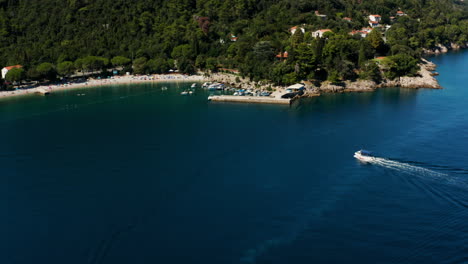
point(330, 102)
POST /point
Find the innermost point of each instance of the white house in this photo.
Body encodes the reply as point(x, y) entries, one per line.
point(319, 33)
point(361, 33)
point(5, 70)
point(294, 29)
point(374, 24)
point(322, 16)
point(375, 18)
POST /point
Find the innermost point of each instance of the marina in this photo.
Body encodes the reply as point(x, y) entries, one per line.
point(284, 96)
point(250, 99)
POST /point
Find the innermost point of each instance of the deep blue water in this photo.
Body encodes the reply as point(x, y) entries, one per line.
point(133, 174)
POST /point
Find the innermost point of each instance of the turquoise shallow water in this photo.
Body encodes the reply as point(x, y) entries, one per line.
point(133, 174)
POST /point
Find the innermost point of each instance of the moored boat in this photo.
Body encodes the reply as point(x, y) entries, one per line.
point(206, 84)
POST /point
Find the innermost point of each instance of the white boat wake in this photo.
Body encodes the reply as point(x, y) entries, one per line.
point(452, 179)
point(404, 167)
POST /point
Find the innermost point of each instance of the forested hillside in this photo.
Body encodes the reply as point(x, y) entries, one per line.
point(67, 35)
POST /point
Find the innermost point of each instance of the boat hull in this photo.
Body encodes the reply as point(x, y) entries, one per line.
point(363, 158)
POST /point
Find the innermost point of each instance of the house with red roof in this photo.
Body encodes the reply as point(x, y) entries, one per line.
point(361, 33)
point(322, 16)
point(283, 55)
point(294, 29)
point(5, 70)
point(375, 18)
point(319, 33)
point(347, 19)
point(400, 13)
point(234, 38)
point(374, 24)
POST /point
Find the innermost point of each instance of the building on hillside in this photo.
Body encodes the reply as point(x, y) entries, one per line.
point(323, 17)
point(294, 29)
point(347, 19)
point(5, 70)
point(375, 18)
point(392, 19)
point(319, 33)
point(361, 33)
point(380, 59)
point(283, 55)
point(374, 24)
point(400, 13)
point(233, 38)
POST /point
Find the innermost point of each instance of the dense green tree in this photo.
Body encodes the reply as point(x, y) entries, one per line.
point(370, 71)
point(375, 40)
point(263, 51)
point(33, 74)
point(65, 68)
point(47, 71)
point(189, 34)
point(94, 63)
point(405, 65)
point(120, 61)
point(306, 59)
point(139, 65)
point(297, 38)
point(212, 64)
point(15, 75)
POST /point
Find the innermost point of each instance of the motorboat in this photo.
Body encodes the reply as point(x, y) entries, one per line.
point(205, 85)
point(194, 85)
point(216, 86)
point(364, 155)
point(184, 93)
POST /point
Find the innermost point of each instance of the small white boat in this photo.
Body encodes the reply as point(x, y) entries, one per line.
point(184, 93)
point(205, 85)
point(164, 88)
point(364, 155)
point(190, 92)
point(194, 85)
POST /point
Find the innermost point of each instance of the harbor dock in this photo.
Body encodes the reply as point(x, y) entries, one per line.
point(43, 91)
point(250, 99)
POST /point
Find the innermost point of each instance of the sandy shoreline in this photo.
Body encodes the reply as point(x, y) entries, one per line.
point(90, 83)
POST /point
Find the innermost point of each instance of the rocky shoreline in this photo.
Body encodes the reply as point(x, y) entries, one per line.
point(424, 79)
point(440, 48)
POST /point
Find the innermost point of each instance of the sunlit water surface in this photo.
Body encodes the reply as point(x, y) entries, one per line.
point(135, 174)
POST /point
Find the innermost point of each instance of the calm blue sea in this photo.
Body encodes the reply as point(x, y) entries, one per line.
point(134, 174)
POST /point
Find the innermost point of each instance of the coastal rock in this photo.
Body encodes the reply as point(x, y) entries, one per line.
point(442, 48)
point(333, 88)
point(360, 86)
point(454, 46)
point(424, 79)
point(428, 65)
